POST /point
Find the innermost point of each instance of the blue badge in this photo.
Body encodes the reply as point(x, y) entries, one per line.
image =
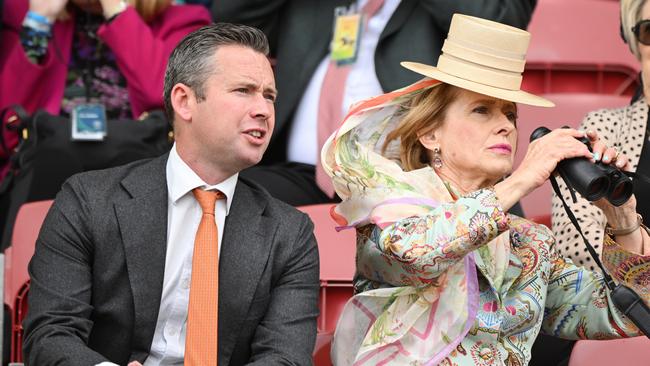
point(89, 122)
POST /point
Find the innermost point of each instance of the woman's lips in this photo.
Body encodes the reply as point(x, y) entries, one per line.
point(504, 149)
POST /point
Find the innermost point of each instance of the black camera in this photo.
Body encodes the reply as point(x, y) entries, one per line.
point(592, 180)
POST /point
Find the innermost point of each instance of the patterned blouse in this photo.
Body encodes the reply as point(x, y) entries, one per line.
point(451, 279)
point(540, 291)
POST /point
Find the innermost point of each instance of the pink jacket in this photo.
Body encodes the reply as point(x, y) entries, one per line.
point(141, 50)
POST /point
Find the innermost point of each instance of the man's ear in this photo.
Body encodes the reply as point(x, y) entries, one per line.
point(183, 101)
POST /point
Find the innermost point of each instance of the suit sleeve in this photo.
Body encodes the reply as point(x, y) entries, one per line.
point(287, 333)
point(516, 13)
point(143, 62)
point(58, 323)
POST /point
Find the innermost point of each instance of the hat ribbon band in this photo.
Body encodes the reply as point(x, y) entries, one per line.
point(479, 73)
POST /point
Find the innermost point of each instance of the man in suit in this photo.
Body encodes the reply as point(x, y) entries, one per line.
point(112, 279)
point(300, 33)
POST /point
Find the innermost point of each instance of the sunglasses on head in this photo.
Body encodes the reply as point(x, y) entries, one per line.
point(642, 31)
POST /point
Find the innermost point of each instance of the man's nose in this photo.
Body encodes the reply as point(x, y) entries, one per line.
point(263, 108)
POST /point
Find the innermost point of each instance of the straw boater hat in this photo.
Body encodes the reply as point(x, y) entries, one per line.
point(485, 57)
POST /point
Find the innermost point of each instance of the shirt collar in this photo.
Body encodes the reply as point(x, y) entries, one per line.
point(181, 180)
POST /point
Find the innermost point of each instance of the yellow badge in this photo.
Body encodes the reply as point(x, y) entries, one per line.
point(347, 33)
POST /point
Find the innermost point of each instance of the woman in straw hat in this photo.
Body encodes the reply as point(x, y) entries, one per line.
point(444, 274)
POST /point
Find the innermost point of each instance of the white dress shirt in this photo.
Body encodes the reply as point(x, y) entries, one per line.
point(362, 83)
point(183, 217)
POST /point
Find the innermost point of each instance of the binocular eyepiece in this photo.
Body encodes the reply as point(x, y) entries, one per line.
point(592, 180)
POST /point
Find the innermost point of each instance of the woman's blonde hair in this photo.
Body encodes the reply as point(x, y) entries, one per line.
point(425, 113)
point(630, 15)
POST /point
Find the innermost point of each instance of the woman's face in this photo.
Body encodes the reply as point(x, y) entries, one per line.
point(645, 54)
point(90, 6)
point(477, 140)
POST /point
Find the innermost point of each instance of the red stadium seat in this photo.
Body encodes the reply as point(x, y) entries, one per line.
point(16, 283)
point(575, 47)
point(337, 252)
point(570, 109)
point(544, 220)
point(628, 351)
point(322, 349)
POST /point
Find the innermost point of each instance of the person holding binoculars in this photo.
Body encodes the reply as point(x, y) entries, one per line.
point(445, 276)
point(627, 130)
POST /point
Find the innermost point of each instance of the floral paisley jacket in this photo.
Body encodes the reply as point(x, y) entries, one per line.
point(539, 290)
point(445, 279)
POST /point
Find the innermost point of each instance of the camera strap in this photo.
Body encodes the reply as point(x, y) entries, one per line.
point(623, 297)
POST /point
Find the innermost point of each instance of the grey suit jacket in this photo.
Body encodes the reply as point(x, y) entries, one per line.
point(97, 274)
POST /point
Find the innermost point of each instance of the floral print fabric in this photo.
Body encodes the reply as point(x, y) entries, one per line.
point(448, 279)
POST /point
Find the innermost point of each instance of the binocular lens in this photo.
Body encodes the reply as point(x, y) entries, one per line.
point(620, 192)
point(592, 181)
point(597, 189)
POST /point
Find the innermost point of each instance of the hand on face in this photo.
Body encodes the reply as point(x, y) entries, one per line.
point(47, 8)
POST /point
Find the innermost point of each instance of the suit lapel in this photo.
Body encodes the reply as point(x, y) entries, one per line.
point(143, 225)
point(247, 241)
point(400, 15)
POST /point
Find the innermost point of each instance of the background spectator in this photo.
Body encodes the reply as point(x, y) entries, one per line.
point(300, 33)
point(57, 54)
point(625, 129)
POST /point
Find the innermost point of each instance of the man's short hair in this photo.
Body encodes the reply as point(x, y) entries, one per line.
point(191, 62)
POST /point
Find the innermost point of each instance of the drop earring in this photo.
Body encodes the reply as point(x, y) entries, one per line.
point(437, 159)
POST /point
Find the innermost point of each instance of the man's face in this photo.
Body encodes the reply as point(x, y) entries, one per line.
point(233, 125)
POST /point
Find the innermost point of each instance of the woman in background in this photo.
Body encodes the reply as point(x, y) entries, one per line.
point(58, 54)
point(626, 131)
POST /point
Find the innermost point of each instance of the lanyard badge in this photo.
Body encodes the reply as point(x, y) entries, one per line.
point(89, 122)
point(344, 46)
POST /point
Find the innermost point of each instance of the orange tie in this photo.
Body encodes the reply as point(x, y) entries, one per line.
point(202, 313)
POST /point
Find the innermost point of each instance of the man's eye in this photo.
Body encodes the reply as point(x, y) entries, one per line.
point(271, 98)
point(242, 90)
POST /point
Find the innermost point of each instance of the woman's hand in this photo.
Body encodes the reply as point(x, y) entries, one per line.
point(540, 161)
point(47, 8)
point(111, 7)
point(623, 216)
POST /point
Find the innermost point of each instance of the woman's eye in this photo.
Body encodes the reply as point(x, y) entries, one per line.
point(512, 117)
point(481, 110)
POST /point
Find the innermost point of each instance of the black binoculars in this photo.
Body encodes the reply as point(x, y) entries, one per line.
point(592, 180)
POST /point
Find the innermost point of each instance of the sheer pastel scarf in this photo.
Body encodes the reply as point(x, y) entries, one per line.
point(400, 325)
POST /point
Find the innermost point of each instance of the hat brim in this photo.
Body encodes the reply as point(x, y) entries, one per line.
point(517, 96)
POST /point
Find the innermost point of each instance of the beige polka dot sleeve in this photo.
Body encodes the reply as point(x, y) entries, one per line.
point(622, 128)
